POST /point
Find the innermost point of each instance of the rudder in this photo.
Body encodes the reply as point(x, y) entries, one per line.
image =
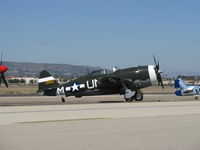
point(180, 86)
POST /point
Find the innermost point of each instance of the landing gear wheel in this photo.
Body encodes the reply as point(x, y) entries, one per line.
point(196, 97)
point(63, 99)
point(138, 96)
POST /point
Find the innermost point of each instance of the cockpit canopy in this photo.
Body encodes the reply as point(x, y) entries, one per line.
point(98, 72)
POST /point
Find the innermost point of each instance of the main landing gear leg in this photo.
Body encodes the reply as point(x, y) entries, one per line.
point(130, 96)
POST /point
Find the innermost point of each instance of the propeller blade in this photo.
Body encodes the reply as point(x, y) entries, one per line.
point(158, 71)
point(158, 64)
point(163, 87)
point(1, 58)
point(4, 79)
point(160, 82)
point(154, 59)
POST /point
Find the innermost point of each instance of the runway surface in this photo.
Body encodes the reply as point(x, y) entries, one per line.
point(106, 122)
point(45, 100)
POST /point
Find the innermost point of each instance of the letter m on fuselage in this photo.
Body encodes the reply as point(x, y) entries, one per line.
point(60, 91)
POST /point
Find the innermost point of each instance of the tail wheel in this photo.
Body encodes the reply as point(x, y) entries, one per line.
point(138, 96)
point(63, 99)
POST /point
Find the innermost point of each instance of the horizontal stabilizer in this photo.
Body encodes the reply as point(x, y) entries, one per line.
point(178, 93)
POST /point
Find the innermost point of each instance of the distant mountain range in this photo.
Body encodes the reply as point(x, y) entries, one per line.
point(174, 74)
point(22, 69)
point(26, 69)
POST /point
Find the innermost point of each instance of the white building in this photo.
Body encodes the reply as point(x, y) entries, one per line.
point(28, 80)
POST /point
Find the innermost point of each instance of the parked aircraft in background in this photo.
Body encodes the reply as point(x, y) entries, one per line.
point(122, 81)
point(182, 89)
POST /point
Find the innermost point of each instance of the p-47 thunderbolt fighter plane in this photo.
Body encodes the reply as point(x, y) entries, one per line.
point(125, 81)
point(182, 89)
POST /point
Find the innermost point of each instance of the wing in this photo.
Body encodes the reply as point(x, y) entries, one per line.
point(118, 82)
point(112, 81)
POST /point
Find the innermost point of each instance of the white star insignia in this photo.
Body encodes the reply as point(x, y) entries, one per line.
point(74, 87)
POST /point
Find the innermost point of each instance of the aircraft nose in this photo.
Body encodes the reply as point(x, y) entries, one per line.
point(3, 69)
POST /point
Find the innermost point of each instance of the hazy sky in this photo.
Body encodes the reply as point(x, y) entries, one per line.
point(102, 32)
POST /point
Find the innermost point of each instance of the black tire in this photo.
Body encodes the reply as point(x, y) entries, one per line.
point(139, 96)
point(63, 99)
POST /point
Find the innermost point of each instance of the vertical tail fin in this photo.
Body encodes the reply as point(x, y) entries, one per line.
point(180, 86)
point(47, 83)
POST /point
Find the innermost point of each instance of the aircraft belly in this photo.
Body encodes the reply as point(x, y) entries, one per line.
point(94, 92)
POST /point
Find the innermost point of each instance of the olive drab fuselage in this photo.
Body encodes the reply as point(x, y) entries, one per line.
point(99, 84)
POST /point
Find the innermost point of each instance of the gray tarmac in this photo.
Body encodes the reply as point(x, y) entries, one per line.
point(162, 121)
point(48, 100)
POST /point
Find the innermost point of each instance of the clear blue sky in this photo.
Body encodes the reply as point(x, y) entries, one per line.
point(102, 33)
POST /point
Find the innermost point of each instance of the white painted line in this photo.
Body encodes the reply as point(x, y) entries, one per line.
point(82, 86)
point(46, 79)
point(68, 88)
